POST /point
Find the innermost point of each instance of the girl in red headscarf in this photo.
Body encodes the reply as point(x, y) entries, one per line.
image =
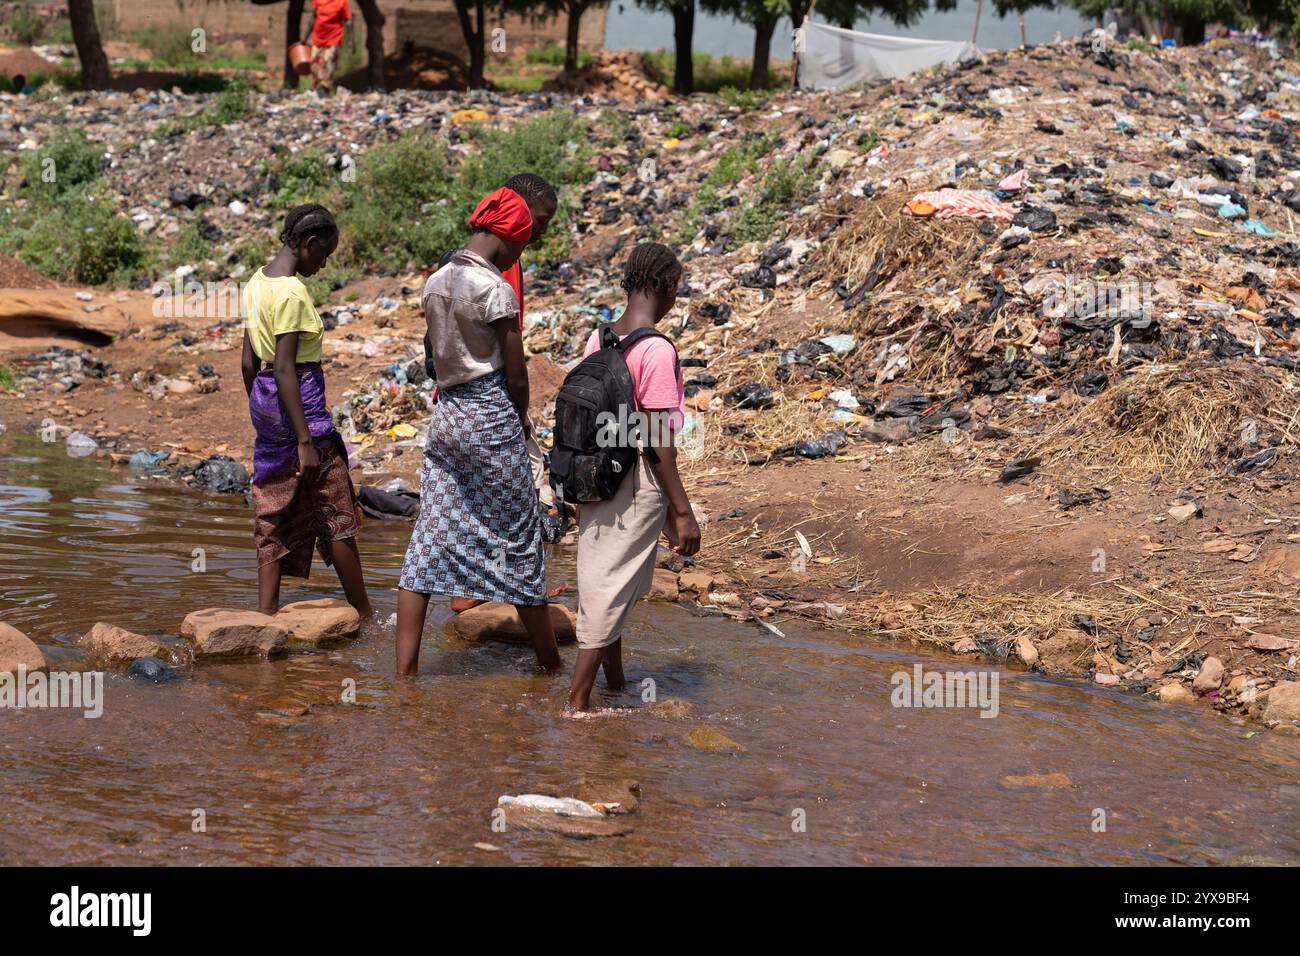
point(479, 531)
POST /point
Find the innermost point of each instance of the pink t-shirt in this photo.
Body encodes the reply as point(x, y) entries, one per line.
point(658, 385)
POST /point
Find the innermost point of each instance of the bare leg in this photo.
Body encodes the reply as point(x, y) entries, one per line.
point(411, 608)
point(459, 604)
point(584, 676)
point(613, 664)
point(268, 587)
point(537, 622)
point(347, 564)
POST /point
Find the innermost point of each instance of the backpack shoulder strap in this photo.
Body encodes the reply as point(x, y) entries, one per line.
point(640, 335)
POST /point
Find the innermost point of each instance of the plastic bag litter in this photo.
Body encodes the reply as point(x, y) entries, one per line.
point(79, 445)
point(561, 806)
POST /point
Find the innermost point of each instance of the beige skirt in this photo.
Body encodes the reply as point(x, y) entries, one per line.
point(616, 555)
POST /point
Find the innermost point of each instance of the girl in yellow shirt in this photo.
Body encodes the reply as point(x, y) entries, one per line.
point(302, 493)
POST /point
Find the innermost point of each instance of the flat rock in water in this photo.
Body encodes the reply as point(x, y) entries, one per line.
point(500, 622)
point(320, 621)
point(698, 582)
point(712, 741)
point(114, 646)
point(1037, 781)
point(18, 650)
point(229, 632)
point(664, 586)
point(1282, 704)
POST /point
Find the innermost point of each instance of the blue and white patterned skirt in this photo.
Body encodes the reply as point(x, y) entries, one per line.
point(479, 532)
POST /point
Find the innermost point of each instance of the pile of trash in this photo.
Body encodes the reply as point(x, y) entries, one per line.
point(975, 253)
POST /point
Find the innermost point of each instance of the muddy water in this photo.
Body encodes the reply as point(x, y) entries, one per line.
point(412, 772)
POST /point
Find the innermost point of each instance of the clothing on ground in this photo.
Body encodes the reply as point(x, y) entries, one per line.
point(275, 305)
point(478, 534)
point(295, 517)
point(616, 555)
point(461, 301)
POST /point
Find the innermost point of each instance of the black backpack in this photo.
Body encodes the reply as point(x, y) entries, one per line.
point(596, 393)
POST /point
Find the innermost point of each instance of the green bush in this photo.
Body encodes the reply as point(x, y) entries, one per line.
point(784, 184)
point(80, 238)
point(552, 54)
point(303, 177)
point(395, 214)
point(26, 24)
point(7, 378)
point(169, 43)
point(64, 163)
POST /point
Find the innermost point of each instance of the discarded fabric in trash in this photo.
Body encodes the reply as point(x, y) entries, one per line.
point(388, 505)
point(222, 474)
point(148, 461)
point(968, 203)
point(750, 395)
point(1014, 182)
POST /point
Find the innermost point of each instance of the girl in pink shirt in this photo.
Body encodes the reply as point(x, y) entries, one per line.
point(617, 538)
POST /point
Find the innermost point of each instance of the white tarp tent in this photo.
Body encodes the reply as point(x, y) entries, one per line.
point(832, 58)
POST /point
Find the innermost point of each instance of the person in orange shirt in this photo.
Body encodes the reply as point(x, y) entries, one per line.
point(329, 20)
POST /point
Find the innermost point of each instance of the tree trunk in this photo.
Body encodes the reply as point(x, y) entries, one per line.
point(292, 35)
point(683, 37)
point(473, 40)
point(1191, 30)
point(90, 50)
point(763, 31)
point(374, 43)
point(576, 9)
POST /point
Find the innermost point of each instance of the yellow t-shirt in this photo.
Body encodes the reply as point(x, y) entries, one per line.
point(274, 305)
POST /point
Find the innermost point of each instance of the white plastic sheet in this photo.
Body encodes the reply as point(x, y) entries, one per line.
point(832, 58)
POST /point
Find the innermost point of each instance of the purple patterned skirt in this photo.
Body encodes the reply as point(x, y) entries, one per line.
point(479, 530)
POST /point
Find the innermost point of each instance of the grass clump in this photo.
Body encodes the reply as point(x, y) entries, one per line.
point(63, 164)
point(80, 238)
point(66, 227)
point(25, 24)
point(786, 183)
point(733, 165)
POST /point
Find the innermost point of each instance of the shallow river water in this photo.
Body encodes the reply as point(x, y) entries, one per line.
point(830, 771)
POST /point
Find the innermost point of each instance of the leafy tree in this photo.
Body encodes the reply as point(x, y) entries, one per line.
point(1185, 19)
point(763, 16)
point(572, 11)
point(1019, 7)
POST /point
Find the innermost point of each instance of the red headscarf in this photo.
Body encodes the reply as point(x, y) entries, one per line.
point(504, 214)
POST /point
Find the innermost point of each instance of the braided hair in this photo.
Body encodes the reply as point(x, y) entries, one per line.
point(533, 188)
point(652, 267)
point(302, 222)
